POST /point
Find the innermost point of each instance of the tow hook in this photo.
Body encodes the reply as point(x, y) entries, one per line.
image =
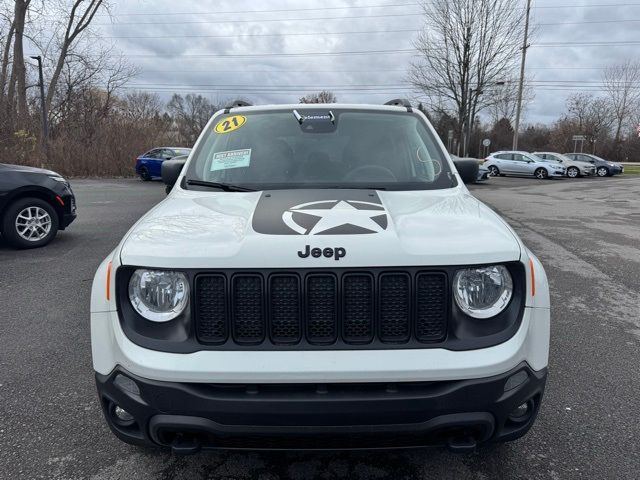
point(185, 445)
point(462, 444)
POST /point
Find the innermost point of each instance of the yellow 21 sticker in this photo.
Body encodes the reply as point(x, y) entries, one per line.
point(230, 124)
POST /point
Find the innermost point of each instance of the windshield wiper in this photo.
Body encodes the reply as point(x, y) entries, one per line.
point(222, 186)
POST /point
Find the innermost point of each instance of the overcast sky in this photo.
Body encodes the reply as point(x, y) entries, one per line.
point(184, 37)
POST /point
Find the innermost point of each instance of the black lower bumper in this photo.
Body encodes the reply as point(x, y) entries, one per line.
point(187, 416)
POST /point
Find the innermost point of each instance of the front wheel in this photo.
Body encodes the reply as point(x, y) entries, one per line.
point(29, 223)
point(541, 173)
point(603, 172)
point(573, 172)
point(493, 171)
point(144, 174)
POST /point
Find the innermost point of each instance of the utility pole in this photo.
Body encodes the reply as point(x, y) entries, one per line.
point(45, 121)
point(525, 46)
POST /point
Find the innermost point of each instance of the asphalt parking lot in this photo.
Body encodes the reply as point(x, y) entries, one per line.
point(586, 232)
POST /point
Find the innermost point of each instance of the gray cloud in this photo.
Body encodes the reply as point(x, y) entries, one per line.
point(174, 61)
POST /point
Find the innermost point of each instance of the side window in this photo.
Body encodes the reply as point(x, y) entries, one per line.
point(504, 156)
point(165, 153)
point(519, 157)
point(584, 158)
point(152, 154)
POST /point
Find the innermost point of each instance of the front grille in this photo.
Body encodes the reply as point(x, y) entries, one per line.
point(321, 308)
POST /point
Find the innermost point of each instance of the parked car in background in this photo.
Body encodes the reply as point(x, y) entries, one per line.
point(575, 168)
point(149, 165)
point(522, 163)
point(34, 205)
point(604, 168)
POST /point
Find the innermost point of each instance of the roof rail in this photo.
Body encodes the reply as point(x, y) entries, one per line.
point(401, 102)
point(236, 104)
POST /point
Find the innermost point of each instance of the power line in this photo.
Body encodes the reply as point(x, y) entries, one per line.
point(305, 19)
point(354, 32)
point(348, 7)
point(281, 10)
point(300, 54)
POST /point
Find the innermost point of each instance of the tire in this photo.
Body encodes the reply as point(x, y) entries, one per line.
point(602, 172)
point(493, 171)
point(541, 173)
point(29, 223)
point(144, 174)
point(573, 172)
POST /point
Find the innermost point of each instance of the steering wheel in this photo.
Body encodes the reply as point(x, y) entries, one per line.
point(370, 173)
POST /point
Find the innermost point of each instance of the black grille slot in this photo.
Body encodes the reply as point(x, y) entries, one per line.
point(211, 307)
point(431, 307)
point(285, 304)
point(357, 312)
point(248, 309)
point(322, 309)
point(395, 307)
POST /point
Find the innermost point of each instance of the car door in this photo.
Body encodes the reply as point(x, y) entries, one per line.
point(504, 162)
point(146, 160)
point(162, 154)
point(522, 165)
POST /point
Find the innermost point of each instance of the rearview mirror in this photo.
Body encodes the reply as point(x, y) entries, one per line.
point(171, 170)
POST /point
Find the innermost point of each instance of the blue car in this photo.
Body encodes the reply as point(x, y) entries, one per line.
point(149, 165)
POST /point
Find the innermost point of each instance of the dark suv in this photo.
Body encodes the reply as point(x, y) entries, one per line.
point(34, 205)
point(604, 168)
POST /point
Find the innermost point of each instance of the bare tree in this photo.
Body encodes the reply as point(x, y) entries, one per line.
point(324, 96)
point(191, 114)
point(17, 87)
point(502, 101)
point(80, 17)
point(465, 47)
point(592, 116)
point(622, 86)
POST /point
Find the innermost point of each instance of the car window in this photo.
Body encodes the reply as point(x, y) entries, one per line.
point(313, 148)
point(504, 156)
point(518, 157)
point(153, 154)
point(181, 151)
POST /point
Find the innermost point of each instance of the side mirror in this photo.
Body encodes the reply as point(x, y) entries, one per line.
point(171, 170)
point(468, 169)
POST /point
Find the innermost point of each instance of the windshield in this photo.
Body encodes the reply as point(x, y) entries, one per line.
point(313, 148)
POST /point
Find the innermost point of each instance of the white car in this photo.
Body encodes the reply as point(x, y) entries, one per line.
point(522, 163)
point(574, 168)
point(319, 277)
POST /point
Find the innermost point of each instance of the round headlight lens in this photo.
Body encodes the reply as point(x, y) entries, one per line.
point(159, 296)
point(483, 292)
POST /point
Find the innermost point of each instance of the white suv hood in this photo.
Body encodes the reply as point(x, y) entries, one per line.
point(196, 229)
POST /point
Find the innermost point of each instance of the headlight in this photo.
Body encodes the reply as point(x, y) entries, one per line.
point(483, 292)
point(159, 296)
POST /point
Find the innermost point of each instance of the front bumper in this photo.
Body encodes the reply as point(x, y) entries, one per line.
point(189, 416)
point(68, 211)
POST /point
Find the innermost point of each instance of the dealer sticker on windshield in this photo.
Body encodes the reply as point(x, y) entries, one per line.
point(230, 124)
point(231, 159)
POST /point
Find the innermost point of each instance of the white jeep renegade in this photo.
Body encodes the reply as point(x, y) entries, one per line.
point(319, 277)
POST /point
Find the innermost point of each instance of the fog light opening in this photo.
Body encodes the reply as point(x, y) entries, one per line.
point(522, 412)
point(120, 416)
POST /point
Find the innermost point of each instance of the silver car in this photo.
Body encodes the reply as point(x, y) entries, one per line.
point(522, 163)
point(575, 168)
